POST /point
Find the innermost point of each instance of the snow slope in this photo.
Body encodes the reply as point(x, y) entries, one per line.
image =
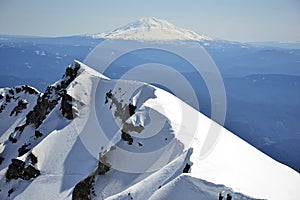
point(145, 137)
point(9, 100)
point(152, 29)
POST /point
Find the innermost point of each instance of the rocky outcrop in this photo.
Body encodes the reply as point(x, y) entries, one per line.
point(23, 149)
point(51, 97)
point(67, 109)
point(15, 169)
point(187, 168)
point(30, 172)
point(38, 134)
point(127, 137)
point(22, 104)
point(19, 169)
point(103, 166)
point(123, 111)
point(14, 94)
point(26, 89)
point(32, 158)
point(83, 189)
point(47, 102)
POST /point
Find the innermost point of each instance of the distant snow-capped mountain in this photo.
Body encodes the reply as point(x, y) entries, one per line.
point(152, 29)
point(55, 149)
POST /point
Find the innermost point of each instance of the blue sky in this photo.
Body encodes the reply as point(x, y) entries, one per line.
point(239, 20)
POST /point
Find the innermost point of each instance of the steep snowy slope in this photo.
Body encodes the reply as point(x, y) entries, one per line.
point(15, 103)
point(153, 29)
point(114, 139)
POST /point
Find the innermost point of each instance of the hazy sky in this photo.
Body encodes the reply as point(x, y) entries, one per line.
point(240, 20)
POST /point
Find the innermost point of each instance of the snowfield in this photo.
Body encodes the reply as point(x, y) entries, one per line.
point(129, 140)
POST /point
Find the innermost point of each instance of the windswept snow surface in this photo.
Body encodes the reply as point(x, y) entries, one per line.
point(166, 134)
point(152, 29)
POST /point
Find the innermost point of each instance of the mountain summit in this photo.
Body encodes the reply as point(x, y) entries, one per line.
point(152, 29)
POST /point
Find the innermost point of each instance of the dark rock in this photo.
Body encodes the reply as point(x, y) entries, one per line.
point(13, 140)
point(71, 73)
point(108, 96)
point(67, 106)
point(8, 98)
point(83, 189)
point(103, 168)
point(23, 149)
point(50, 98)
point(127, 137)
point(228, 197)
point(38, 114)
point(131, 109)
point(2, 108)
point(38, 134)
point(14, 137)
point(15, 169)
point(32, 158)
point(221, 196)
point(29, 90)
point(21, 127)
point(186, 168)
point(18, 163)
point(1, 159)
point(18, 89)
point(10, 191)
point(127, 127)
point(21, 106)
point(30, 172)
point(11, 91)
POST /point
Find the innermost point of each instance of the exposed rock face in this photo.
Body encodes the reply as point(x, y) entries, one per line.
point(27, 89)
point(66, 108)
point(38, 134)
point(21, 106)
point(12, 94)
point(186, 169)
point(47, 101)
point(131, 109)
point(103, 166)
point(10, 191)
point(127, 137)
point(51, 97)
point(17, 170)
point(23, 149)
point(123, 111)
point(30, 172)
point(32, 158)
point(83, 189)
point(54, 95)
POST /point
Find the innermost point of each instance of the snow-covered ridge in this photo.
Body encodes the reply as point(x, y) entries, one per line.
point(64, 156)
point(152, 29)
